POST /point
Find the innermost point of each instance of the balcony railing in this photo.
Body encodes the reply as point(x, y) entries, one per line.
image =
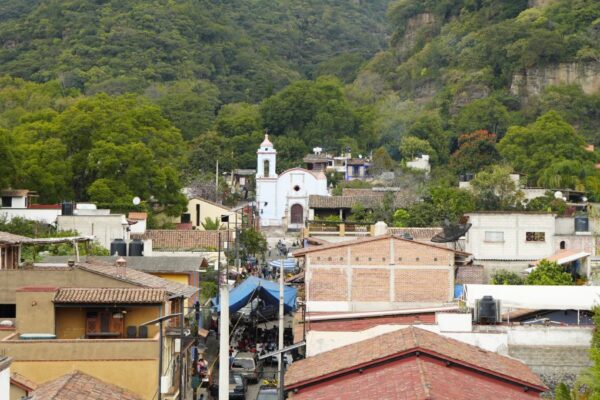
point(345, 228)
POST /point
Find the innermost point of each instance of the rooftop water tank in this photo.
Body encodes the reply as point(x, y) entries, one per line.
point(118, 247)
point(136, 248)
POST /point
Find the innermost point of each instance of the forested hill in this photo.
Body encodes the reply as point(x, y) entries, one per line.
point(248, 48)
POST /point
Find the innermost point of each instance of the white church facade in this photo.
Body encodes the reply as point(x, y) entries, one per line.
point(282, 200)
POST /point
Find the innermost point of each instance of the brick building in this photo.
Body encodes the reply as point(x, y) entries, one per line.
point(411, 364)
point(378, 273)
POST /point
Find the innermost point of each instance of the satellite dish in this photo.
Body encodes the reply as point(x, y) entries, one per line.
point(136, 201)
point(451, 233)
point(558, 195)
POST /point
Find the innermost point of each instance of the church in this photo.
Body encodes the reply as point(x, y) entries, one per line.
point(282, 200)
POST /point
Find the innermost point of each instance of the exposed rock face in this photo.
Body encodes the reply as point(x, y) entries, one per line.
point(533, 81)
point(414, 26)
point(539, 3)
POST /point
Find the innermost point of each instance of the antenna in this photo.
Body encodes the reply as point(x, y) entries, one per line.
point(451, 232)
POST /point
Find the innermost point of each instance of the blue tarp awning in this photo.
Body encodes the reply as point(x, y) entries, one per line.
point(288, 263)
point(266, 290)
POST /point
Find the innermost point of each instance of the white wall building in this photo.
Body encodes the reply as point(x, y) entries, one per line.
point(17, 203)
point(5, 377)
point(283, 199)
point(420, 163)
point(105, 228)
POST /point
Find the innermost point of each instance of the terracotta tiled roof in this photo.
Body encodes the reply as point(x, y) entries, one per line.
point(301, 252)
point(79, 386)
point(422, 234)
point(172, 239)
point(370, 200)
point(110, 295)
point(138, 278)
point(402, 342)
point(9, 238)
point(15, 192)
point(137, 215)
point(317, 158)
point(22, 381)
point(358, 161)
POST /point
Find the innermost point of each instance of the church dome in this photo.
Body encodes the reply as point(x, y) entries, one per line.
point(266, 142)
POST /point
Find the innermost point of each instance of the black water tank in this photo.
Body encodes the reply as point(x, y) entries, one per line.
point(118, 247)
point(487, 310)
point(582, 224)
point(136, 248)
point(67, 207)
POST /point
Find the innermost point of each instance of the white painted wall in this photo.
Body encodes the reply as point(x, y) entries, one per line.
point(492, 338)
point(138, 227)
point(5, 383)
point(420, 163)
point(276, 195)
point(105, 228)
point(43, 215)
point(514, 227)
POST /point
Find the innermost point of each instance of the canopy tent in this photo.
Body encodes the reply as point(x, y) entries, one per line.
point(288, 263)
point(536, 297)
point(266, 290)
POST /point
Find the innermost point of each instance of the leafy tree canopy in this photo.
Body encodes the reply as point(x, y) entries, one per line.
point(548, 273)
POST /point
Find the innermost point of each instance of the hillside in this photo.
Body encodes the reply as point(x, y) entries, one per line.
point(486, 65)
point(248, 48)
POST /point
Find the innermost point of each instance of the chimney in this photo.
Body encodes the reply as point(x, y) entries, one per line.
point(121, 265)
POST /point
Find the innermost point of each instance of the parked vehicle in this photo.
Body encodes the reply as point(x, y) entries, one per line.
point(246, 365)
point(237, 387)
point(267, 393)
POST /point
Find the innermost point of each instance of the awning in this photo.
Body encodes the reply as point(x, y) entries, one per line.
point(536, 297)
point(565, 256)
point(266, 290)
point(288, 263)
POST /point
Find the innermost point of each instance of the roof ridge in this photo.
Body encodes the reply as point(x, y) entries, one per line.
point(70, 376)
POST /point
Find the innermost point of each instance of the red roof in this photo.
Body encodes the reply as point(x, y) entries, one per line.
point(110, 295)
point(77, 385)
point(361, 324)
point(410, 342)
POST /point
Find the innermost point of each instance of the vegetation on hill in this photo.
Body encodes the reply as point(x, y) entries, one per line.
point(121, 99)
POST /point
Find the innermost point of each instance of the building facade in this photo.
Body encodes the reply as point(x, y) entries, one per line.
point(377, 273)
point(282, 200)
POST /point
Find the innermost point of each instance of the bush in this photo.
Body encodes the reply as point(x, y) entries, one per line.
point(549, 273)
point(504, 277)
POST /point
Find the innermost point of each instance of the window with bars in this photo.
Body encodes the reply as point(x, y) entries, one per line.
point(493, 236)
point(535, 236)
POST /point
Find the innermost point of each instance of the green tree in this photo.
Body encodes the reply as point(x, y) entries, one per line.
point(476, 150)
point(495, 189)
point(547, 203)
point(238, 119)
point(504, 277)
point(381, 161)
point(548, 273)
point(486, 114)
point(253, 242)
point(412, 146)
point(210, 224)
point(429, 127)
point(7, 166)
point(547, 143)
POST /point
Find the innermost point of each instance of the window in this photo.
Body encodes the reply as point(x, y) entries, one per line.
point(8, 311)
point(7, 201)
point(535, 236)
point(492, 236)
point(563, 245)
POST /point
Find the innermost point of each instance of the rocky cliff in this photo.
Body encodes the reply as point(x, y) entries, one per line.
point(533, 81)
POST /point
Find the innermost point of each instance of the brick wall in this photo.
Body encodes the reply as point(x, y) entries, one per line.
point(407, 253)
point(421, 285)
point(370, 284)
point(335, 256)
point(371, 253)
point(328, 285)
point(470, 274)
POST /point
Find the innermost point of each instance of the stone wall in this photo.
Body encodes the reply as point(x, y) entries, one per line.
point(470, 274)
point(554, 364)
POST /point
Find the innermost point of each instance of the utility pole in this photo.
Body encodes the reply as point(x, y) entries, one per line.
point(217, 183)
point(223, 331)
point(280, 362)
point(181, 375)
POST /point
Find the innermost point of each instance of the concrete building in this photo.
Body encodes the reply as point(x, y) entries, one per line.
point(378, 273)
point(420, 163)
point(514, 240)
point(411, 363)
point(283, 199)
point(198, 210)
point(137, 222)
point(20, 203)
point(89, 317)
point(105, 227)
